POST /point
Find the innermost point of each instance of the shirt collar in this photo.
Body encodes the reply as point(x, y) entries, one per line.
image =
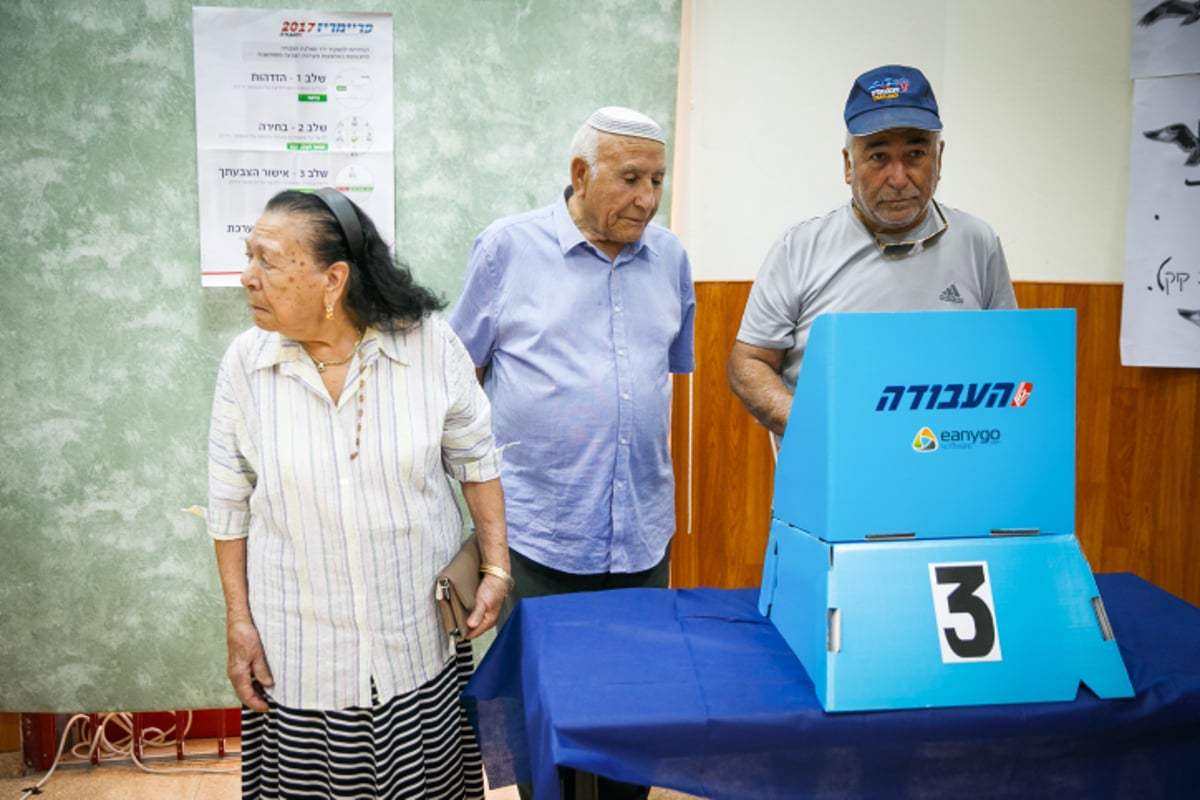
point(278, 349)
point(570, 237)
point(927, 226)
point(392, 344)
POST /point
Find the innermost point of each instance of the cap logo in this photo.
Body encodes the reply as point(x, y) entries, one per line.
point(887, 88)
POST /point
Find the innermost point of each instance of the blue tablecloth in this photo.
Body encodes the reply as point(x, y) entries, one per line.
point(694, 690)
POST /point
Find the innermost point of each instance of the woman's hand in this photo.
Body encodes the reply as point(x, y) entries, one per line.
point(247, 668)
point(488, 598)
point(485, 501)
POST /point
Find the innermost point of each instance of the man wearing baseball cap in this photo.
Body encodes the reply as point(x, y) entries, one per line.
point(891, 247)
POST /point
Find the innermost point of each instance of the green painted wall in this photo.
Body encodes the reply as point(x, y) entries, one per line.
point(109, 598)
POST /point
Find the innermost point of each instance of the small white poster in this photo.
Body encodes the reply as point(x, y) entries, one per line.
point(1166, 38)
point(288, 100)
point(1160, 320)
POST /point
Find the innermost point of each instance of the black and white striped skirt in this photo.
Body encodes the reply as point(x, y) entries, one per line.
point(415, 746)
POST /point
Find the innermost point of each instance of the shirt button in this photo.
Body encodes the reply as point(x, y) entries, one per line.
point(624, 395)
point(624, 440)
point(617, 309)
point(621, 353)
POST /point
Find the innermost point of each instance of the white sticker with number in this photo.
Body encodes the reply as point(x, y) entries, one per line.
point(966, 615)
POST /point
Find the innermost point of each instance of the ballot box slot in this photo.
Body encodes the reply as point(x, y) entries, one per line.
point(887, 537)
point(1015, 531)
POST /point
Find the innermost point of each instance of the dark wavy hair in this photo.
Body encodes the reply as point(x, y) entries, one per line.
point(381, 291)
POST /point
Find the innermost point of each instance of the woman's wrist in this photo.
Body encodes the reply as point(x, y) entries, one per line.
point(498, 572)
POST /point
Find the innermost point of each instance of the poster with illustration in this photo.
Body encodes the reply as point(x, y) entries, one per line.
point(1160, 320)
point(1166, 38)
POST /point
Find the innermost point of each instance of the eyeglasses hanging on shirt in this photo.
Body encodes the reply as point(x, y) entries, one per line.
point(897, 249)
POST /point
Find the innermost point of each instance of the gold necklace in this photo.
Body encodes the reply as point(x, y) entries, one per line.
point(321, 365)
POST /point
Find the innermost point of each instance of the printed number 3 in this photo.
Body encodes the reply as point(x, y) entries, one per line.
point(965, 598)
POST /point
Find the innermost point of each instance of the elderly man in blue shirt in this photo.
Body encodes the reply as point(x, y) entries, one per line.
point(575, 315)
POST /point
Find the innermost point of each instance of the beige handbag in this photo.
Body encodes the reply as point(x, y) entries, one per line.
point(455, 588)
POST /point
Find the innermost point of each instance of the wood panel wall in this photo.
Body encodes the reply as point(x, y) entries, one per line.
point(10, 732)
point(1137, 504)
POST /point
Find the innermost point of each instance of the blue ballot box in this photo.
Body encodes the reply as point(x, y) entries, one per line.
point(922, 548)
point(932, 424)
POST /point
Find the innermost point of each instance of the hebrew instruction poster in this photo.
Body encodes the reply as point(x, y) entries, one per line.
point(288, 100)
point(1160, 319)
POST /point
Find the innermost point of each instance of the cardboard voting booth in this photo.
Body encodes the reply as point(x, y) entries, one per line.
point(922, 548)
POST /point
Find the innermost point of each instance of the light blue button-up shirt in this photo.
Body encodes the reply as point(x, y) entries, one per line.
point(578, 351)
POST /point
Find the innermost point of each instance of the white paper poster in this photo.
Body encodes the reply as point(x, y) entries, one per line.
point(1160, 320)
point(288, 100)
point(1166, 38)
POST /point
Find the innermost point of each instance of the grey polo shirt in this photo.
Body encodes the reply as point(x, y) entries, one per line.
point(832, 263)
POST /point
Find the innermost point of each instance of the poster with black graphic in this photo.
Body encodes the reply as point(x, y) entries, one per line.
point(1166, 38)
point(1160, 320)
point(288, 100)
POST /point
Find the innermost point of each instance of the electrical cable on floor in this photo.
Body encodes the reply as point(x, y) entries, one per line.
point(124, 748)
point(37, 787)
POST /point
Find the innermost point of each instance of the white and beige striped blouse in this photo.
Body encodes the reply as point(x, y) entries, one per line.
point(341, 552)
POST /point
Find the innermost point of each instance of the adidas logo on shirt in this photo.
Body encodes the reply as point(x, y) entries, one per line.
point(950, 295)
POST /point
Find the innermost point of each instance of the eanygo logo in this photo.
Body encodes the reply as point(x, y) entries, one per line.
point(926, 441)
point(942, 396)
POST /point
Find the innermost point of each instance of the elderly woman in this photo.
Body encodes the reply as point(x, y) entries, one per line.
point(337, 424)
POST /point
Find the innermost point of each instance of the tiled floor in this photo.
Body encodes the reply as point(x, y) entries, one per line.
point(118, 782)
point(123, 782)
point(202, 776)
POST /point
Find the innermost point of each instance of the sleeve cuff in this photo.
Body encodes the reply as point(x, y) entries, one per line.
point(479, 470)
point(226, 524)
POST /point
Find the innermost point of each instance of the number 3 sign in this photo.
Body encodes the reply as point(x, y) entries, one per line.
point(966, 613)
point(912, 624)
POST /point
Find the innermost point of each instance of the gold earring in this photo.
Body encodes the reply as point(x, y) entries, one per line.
point(328, 312)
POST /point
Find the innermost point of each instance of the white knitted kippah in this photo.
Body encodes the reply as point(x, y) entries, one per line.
point(626, 122)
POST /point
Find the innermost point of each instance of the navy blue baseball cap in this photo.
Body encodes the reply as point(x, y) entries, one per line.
point(891, 97)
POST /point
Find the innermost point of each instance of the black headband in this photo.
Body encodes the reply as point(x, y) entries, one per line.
point(347, 219)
